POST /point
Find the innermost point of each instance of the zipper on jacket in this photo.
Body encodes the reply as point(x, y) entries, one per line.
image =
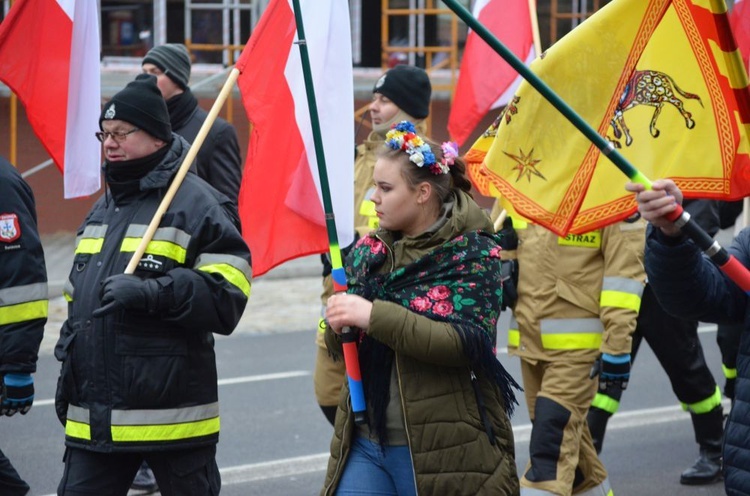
point(482, 409)
point(406, 425)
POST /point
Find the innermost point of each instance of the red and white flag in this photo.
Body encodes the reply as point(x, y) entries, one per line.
point(739, 20)
point(281, 205)
point(485, 80)
point(49, 57)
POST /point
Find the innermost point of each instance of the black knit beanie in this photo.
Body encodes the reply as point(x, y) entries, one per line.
point(408, 87)
point(173, 59)
point(140, 103)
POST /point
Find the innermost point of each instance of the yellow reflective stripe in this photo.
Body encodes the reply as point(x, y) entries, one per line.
point(706, 405)
point(89, 246)
point(232, 274)
point(606, 403)
point(165, 432)
point(514, 337)
point(619, 299)
point(519, 223)
point(78, 430)
point(23, 312)
point(729, 373)
point(163, 248)
point(367, 208)
point(572, 341)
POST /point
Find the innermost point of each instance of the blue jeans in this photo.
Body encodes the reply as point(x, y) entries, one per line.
point(375, 471)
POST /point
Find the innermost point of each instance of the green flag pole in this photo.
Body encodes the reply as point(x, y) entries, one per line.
point(734, 270)
point(349, 338)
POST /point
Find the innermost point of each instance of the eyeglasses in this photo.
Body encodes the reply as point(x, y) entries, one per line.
point(118, 137)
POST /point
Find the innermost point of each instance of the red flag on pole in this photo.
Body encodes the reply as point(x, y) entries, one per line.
point(280, 202)
point(49, 57)
point(485, 80)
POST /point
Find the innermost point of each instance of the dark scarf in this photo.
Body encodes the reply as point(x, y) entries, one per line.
point(459, 282)
point(181, 108)
point(124, 176)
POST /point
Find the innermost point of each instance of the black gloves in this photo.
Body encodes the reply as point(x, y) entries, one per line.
point(17, 394)
point(126, 291)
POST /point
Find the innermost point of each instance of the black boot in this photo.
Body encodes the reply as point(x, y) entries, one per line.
point(705, 470)
point(709, 431)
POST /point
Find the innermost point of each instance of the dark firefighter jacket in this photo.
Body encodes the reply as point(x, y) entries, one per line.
point(137, 381)
point(23, 275)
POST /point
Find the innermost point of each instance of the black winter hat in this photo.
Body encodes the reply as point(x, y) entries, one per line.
point(408, 87)
point(173, 59)
point(140, 103)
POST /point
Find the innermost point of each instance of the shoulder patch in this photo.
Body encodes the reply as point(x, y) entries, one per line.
point(10, 228)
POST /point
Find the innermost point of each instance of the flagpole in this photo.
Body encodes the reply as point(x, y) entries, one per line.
point(182, 171)
point(728, 264)
point(349, 338)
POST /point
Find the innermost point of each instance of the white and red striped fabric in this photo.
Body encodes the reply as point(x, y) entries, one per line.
point(280, 202)
point(485, 80)
point(49, 57)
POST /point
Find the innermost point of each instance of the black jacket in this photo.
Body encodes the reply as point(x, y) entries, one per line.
point(218, 161)
point(690, 286)
point(23, 275)
point(132, 380)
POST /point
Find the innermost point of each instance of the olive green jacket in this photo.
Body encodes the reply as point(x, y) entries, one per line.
point(451, 451)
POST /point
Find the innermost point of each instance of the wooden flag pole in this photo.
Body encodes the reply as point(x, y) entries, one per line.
point(182, 171)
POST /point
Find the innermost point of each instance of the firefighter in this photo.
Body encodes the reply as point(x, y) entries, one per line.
point(402, 93)
point(578, 300)
point(23, 306)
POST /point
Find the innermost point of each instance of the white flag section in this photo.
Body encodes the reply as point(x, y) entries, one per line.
point(82, 164)
point(281, 205)
point(331, 66)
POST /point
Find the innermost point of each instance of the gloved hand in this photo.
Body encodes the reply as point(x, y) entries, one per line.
point(126, 291)
point(613, 370)
point(508, 235)
point(17, 394)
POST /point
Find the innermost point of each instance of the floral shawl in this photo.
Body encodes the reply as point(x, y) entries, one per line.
point(457, 282)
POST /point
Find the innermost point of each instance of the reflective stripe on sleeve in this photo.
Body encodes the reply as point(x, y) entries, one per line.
point(234, 269)
point(23, 303)
point(729, 373)
point(621, 292)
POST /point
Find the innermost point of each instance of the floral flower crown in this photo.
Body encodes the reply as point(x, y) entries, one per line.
point(403, 136)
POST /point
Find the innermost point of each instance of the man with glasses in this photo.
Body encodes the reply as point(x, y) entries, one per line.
point(138, 379)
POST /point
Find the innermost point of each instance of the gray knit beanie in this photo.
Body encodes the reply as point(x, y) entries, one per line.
point(173, 59)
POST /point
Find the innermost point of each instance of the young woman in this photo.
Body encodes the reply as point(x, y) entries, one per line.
point(425, 295)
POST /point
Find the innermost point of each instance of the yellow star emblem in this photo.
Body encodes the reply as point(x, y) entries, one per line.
point(525, 164)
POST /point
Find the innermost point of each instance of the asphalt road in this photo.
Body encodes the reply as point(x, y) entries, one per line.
point(274, 440)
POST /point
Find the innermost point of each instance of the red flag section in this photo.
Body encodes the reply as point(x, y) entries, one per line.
point(280, 204)
point(485, 80)
point(739, 20)
point(49, 57)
